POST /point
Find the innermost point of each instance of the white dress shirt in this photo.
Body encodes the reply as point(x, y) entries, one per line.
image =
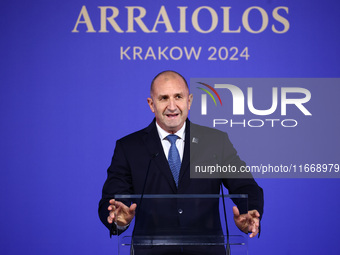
point(166, 143)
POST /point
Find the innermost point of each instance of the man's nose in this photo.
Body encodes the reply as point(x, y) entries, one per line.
point(172, 104)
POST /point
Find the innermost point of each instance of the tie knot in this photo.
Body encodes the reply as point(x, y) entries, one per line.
point(172, 138)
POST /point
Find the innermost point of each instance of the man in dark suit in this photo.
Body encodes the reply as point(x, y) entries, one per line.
point(150, 152)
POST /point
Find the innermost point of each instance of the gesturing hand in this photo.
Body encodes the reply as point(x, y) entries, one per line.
point(121, 214)
point(247, 223)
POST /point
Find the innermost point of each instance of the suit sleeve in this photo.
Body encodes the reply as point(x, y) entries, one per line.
point(118, 182)
point(243, 185)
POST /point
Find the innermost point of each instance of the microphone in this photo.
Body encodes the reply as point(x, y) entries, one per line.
point(147, 174)
point(153, 156)
point(228, 252)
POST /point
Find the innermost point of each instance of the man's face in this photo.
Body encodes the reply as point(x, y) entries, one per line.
point(170, 101)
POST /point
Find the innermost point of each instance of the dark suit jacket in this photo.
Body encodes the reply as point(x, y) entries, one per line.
point(129, 166)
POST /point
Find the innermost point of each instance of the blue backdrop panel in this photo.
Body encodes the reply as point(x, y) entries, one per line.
point(75, 76)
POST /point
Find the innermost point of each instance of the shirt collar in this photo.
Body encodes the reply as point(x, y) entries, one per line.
point(163, 134)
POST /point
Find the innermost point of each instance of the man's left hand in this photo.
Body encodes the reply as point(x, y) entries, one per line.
point(247, 223)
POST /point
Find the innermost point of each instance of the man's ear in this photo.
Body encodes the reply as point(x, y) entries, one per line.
point(150, 103)
point(191, 97)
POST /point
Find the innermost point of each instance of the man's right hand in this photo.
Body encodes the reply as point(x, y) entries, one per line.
point(121, 214)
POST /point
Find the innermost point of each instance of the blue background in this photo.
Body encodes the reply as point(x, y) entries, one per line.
point(65, 98)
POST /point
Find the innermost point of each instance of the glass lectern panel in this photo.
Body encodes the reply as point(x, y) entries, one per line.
point(173, 224)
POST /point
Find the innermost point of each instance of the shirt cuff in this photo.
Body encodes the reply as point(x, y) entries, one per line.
point(122, 227)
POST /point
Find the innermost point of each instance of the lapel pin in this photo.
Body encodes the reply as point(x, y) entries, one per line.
point(195, 140)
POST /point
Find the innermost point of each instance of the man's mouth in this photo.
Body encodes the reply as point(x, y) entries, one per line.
point(172, 115)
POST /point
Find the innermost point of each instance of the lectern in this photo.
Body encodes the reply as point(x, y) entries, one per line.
point(183, 222)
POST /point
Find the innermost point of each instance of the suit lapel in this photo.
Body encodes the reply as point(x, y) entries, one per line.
point(186, 154)
point(153, 144)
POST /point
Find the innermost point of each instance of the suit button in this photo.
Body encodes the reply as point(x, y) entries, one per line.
point(180, 211)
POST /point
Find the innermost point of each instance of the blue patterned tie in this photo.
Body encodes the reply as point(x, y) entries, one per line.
point(174, 158)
